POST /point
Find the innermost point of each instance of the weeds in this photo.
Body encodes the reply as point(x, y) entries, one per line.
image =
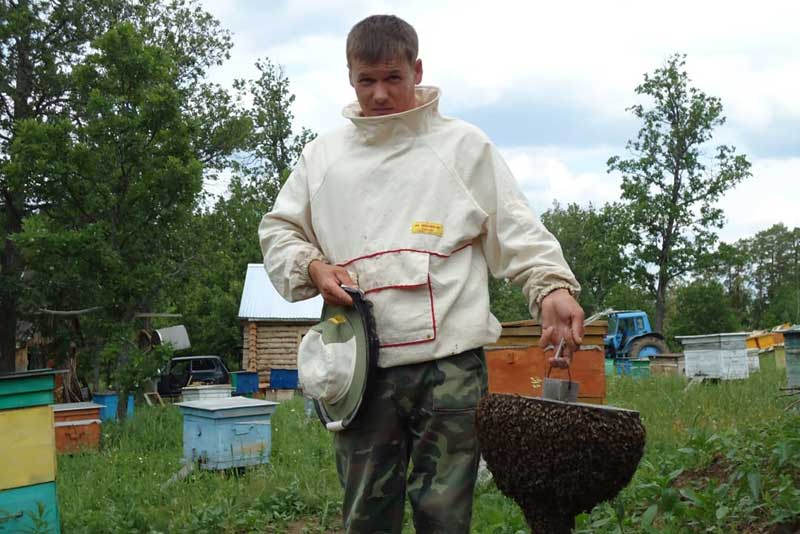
point(720, 458)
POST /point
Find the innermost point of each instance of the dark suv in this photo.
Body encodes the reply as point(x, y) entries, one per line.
point(194, 369)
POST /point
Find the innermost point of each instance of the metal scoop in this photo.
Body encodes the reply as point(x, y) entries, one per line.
point(557, 388)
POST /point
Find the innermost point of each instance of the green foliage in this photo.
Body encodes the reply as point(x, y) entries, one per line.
point(719, 458)
point(223, 239)
point(121, 180)
point(594, 241)
point(668, 188)
point(40, 41)
point(702, 307)
point(127, 367)
point(507, 302)
point(627, 297)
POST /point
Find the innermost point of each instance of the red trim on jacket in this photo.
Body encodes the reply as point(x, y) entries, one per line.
point(409, 286)
point(397, 250)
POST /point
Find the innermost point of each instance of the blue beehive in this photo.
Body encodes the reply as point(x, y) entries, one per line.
point(109, 401)
point(227, 432)
point(283, 378)
point(244, 382)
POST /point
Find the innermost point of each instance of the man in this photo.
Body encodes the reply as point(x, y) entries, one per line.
point(415, 209)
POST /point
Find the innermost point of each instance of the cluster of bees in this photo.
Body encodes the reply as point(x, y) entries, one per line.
point(557, 459)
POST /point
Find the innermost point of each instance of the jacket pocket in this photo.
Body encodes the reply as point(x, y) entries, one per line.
point(399, 287)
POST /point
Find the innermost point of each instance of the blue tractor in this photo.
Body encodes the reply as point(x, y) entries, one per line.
point(630, 336)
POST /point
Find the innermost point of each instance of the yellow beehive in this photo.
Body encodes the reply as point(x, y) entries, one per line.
point(28, 440)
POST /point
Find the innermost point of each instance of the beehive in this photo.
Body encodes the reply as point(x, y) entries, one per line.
point(753, 363)
point(792, 348)
point(244, 382)
point(77, 426)
point(633, 367)
point(668, 365)
point(527, 334)
point(516, 364)
point(716, 355)
point(109, 401)
point(27, 450)
point(227, 432)
point(213, 391)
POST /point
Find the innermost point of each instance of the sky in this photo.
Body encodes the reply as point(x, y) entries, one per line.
point(550, 82)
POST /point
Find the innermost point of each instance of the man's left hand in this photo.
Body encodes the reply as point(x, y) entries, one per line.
point(562, 318)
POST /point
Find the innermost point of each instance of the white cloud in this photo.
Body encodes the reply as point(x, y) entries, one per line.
point(551, 174)
point(580, 54)
point(770, 196)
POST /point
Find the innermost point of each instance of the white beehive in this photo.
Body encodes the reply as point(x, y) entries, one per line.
point(716, 355)
point(198, 393)
point(753, 363)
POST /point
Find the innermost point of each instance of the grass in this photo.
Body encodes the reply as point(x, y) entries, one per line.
point(720, 458)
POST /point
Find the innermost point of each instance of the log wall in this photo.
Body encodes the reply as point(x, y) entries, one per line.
point(270, 345)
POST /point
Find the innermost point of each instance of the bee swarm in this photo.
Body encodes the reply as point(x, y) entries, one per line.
point(557, 459)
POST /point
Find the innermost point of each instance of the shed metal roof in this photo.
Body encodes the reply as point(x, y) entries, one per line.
point(260, 300)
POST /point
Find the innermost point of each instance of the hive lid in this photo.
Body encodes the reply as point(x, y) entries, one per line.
point(65, 406)
point(226, 403)
point(714, 336)
point(28, 374)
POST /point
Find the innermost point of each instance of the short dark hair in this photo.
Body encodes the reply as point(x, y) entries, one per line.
point(381, 37)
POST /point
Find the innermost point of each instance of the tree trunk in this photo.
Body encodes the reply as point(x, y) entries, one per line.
point(14, 208)
point(8, 334)
point(661, 306)
point(9, 274)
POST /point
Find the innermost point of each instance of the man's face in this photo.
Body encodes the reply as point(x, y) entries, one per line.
point(385, 87)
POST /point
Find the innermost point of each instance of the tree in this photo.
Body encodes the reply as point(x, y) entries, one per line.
point(121, 176)
point(731, 267)
point(774, 275)
point(702, 307)
point(39, 42)
point(594, 242)
point(224, 238)
point(507, 301)
point(668, 186)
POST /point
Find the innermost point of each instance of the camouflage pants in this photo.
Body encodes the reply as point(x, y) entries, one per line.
point(422, 414)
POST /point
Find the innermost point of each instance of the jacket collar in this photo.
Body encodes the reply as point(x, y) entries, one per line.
point(416, 120)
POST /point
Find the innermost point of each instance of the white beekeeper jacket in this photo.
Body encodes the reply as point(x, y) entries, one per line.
point(418, 208)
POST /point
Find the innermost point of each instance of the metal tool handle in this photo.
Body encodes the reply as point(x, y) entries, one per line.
point(556, 356)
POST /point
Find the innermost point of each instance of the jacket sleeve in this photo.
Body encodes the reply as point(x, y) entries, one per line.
point(287, 238)
point(515, 243)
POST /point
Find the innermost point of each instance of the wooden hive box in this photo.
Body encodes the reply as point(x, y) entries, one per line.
point(28, 453)
point(516, 364)
point(77, 426)
point(792, 355)
point(668, 364)
point(716, 355)
point(227, 432)
point(527, 333)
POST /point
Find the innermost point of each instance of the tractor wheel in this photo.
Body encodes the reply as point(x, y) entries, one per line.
point(647, 346)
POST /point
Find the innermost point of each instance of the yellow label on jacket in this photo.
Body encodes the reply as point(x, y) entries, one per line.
point(431, 228)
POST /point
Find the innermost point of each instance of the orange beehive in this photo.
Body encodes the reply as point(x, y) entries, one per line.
point(77, 426)
point(516, 364)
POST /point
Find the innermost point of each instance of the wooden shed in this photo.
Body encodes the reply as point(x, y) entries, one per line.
point(272, 327)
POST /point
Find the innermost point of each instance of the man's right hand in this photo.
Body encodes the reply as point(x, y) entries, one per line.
point(329, 279)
